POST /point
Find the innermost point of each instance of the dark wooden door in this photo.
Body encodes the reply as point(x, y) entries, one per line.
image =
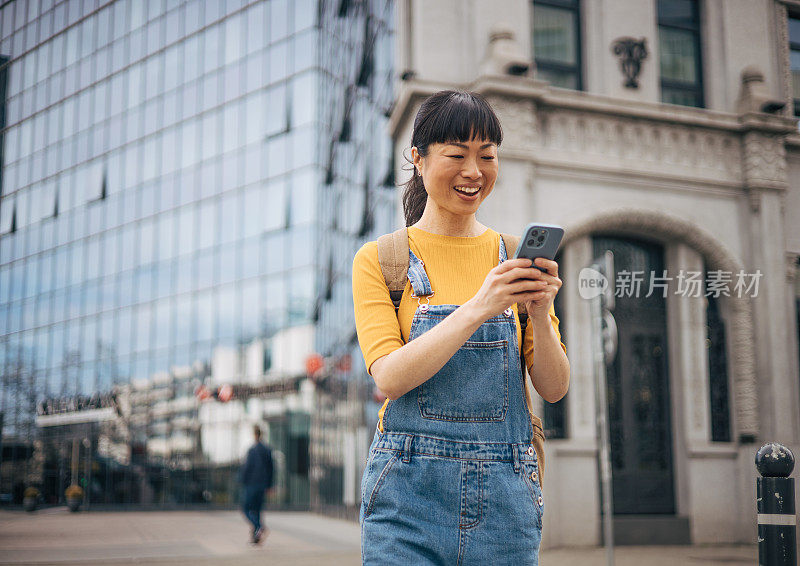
point(638, 386)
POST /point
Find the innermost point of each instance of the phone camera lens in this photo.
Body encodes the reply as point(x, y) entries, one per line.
point(534, 232)
point(531, 242)
point(541, 239)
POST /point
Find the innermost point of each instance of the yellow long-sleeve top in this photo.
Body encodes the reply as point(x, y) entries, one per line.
point(456, 267)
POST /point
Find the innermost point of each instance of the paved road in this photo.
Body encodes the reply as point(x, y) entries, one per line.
point(219, 538)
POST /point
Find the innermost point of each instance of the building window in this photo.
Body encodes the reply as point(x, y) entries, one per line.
point(679, 51)
point(794, 55)
point(556, 42)
point(717, 371)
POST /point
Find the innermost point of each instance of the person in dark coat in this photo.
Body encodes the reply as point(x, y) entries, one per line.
point(256, 477)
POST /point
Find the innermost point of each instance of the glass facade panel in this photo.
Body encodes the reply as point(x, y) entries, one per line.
point(163, 225)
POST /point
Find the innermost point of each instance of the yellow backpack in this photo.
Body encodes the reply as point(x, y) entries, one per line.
point(393, 259)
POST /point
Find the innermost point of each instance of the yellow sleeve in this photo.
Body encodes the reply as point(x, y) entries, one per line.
point(528, 340)
point(376, 320)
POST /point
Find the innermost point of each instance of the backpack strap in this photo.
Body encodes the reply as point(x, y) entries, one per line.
point(511, 243)
point(393, 259)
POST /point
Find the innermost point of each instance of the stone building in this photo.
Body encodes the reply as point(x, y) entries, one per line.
point(664, 131)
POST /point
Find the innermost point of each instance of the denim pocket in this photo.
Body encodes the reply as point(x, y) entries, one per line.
point(471, 387)
point(378, 468)
point(530, 474)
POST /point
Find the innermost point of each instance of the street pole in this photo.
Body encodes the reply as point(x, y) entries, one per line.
point(601, 404)
point(604, 349)
point(776, 511)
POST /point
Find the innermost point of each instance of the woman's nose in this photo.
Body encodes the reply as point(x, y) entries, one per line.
point(471, 169)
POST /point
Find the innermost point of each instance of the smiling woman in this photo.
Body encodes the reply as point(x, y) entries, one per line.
point(454, 146)
point(453, 474)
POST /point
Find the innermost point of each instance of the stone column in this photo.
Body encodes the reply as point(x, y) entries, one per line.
point(766, 183)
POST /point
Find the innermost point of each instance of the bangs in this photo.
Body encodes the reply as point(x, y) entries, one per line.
point(459, 117)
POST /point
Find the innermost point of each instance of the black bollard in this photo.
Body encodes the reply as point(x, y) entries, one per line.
point(776, 514)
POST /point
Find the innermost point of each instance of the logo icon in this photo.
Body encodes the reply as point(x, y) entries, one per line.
point(591, 283)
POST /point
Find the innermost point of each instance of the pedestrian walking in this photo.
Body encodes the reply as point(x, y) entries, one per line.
point(453, 473)
point(256, 477)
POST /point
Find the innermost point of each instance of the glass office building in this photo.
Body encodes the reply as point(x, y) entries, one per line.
point(183, 187)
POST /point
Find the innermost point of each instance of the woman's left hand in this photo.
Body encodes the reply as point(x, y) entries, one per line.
point(545, 270)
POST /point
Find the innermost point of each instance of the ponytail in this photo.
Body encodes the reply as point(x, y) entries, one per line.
point(414, 198)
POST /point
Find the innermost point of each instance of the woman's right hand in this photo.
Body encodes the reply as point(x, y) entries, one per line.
point(512, 281)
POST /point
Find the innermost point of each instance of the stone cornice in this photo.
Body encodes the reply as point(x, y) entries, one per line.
point(549, 97)
point(411, 91)
point(793, 140)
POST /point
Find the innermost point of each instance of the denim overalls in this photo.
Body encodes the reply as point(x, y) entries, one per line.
point(453, 478)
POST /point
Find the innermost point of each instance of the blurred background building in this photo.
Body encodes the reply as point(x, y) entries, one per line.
point(662, 130)
point(184, 184)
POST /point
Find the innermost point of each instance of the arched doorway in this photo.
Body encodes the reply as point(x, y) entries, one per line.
point(666, 227)
point(638, 383)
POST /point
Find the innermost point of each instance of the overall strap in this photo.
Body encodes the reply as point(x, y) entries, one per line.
point(394, 259)
point(420, 284)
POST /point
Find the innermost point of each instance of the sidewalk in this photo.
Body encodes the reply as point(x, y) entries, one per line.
point(205, 538)
point(177, 538)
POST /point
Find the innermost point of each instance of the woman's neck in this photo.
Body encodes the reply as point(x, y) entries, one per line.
point(449, 224)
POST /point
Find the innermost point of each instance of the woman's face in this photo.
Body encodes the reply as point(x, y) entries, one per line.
point(458, 175)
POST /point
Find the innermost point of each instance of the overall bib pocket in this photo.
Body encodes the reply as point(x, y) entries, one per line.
point(378, 468)
point(471, 387)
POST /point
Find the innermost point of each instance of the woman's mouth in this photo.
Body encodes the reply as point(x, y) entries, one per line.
point(467, 193)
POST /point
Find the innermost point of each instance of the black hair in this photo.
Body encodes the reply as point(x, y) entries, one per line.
point(444, 117)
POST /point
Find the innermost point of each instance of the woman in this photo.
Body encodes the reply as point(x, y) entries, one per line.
point(452, 476)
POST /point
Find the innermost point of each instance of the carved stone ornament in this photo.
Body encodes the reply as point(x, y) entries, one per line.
point(631, 52)
point(764, 165)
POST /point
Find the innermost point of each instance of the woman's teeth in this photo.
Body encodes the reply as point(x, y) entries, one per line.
point(467, 190)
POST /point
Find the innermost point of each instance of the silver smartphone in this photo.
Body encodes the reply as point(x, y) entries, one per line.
point(539, 240)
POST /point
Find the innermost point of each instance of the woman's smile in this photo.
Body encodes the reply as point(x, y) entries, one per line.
point(467, 192)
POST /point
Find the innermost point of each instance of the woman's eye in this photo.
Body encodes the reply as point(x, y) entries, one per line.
point(456, 156)
point(489, 157)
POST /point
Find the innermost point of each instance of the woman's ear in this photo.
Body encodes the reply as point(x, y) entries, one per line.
point(416, 159)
